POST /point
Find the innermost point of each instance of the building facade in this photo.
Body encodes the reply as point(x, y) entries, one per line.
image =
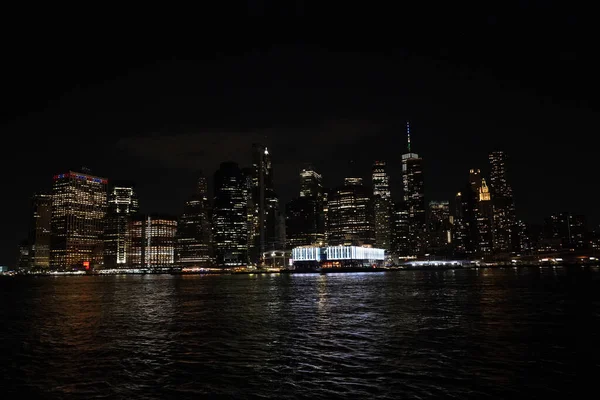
point(122, 206)
point(503, 204)
point(39, 235)
point(230, 216)
point(77, 223)
point(350, 215)
point(266, 203)
point(310, 183)
point(382, 206)
point(194, 230)
point(153, 241)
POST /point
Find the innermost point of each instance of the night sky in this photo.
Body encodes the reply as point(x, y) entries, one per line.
point(158, 108)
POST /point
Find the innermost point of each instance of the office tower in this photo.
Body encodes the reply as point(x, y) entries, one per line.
point(265, 200)
point(461, 227)
point(439, 227)
point(479, 210)
point(414, 196)
point(502, 200)
point(310, 183)
point(382, 205)
point(193, 246)
point(153, 241)
point(350, 215)
point(122, 206)
point(24, 256)
point(77, 222)
point(252, 216)
point(400, 231)
point(566, 231)
point(39, 235)
point(230, 216)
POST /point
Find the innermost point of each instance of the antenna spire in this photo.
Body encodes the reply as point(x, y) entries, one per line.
point(408, 134)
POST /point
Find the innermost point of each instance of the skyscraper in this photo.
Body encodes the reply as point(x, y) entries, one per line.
point(480, 212)
point(122, 206)
point(153, 241)
point(193, 246)
point(382, 205)
point(310, 183)
point(414, 196)
point(461, 228)
point(77, 224)
point(502, 200)
point(230, 216)
point(39, 235)
point(400, 231)
point(350, 215)
point(265, 200)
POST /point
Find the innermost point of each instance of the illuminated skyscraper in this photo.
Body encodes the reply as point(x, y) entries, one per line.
point(122, 206)
point(461, 227)
point(230, 216)
point(504, 208)
point(153, 241)
point(480, 214)
point(77, 224)
point(400, 231)
point(194, 230)
point(382, 205)
point(39, 235)
point(310, 183)
point(414, 197)
point(266, 202)
point(350, 215)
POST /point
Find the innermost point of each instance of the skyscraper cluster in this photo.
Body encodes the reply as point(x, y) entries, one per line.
point(87, 223)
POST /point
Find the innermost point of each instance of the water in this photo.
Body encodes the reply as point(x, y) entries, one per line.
point(486, 333)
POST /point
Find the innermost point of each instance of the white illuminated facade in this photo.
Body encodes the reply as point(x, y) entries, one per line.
point(337, 256)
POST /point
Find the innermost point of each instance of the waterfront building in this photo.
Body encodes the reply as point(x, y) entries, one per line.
point(230, 216)
point(193, 246)
point(566, 231)
point(153, 241)
point(77, 222)
point(39, 234)
point(122, 206)
point(314, 257)
point(503, 205)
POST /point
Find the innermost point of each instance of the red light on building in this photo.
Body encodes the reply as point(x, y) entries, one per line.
point(86, 265)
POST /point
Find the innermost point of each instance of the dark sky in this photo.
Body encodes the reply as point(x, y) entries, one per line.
point(156, 107)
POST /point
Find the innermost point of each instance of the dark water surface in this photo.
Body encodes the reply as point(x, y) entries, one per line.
point(486, 333)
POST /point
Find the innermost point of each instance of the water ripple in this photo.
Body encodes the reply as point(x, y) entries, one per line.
point(414, 334)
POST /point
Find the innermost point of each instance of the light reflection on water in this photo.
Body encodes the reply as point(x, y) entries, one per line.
point(422, 334)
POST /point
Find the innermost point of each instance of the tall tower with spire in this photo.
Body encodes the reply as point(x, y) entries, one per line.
point(414, 196)
point(505, 234)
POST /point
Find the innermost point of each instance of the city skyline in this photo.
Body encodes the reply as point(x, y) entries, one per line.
point(158, 116)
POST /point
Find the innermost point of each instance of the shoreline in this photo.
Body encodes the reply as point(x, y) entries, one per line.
point(287, 271)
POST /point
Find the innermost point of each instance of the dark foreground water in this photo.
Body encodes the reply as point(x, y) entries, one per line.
point(499, 333)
